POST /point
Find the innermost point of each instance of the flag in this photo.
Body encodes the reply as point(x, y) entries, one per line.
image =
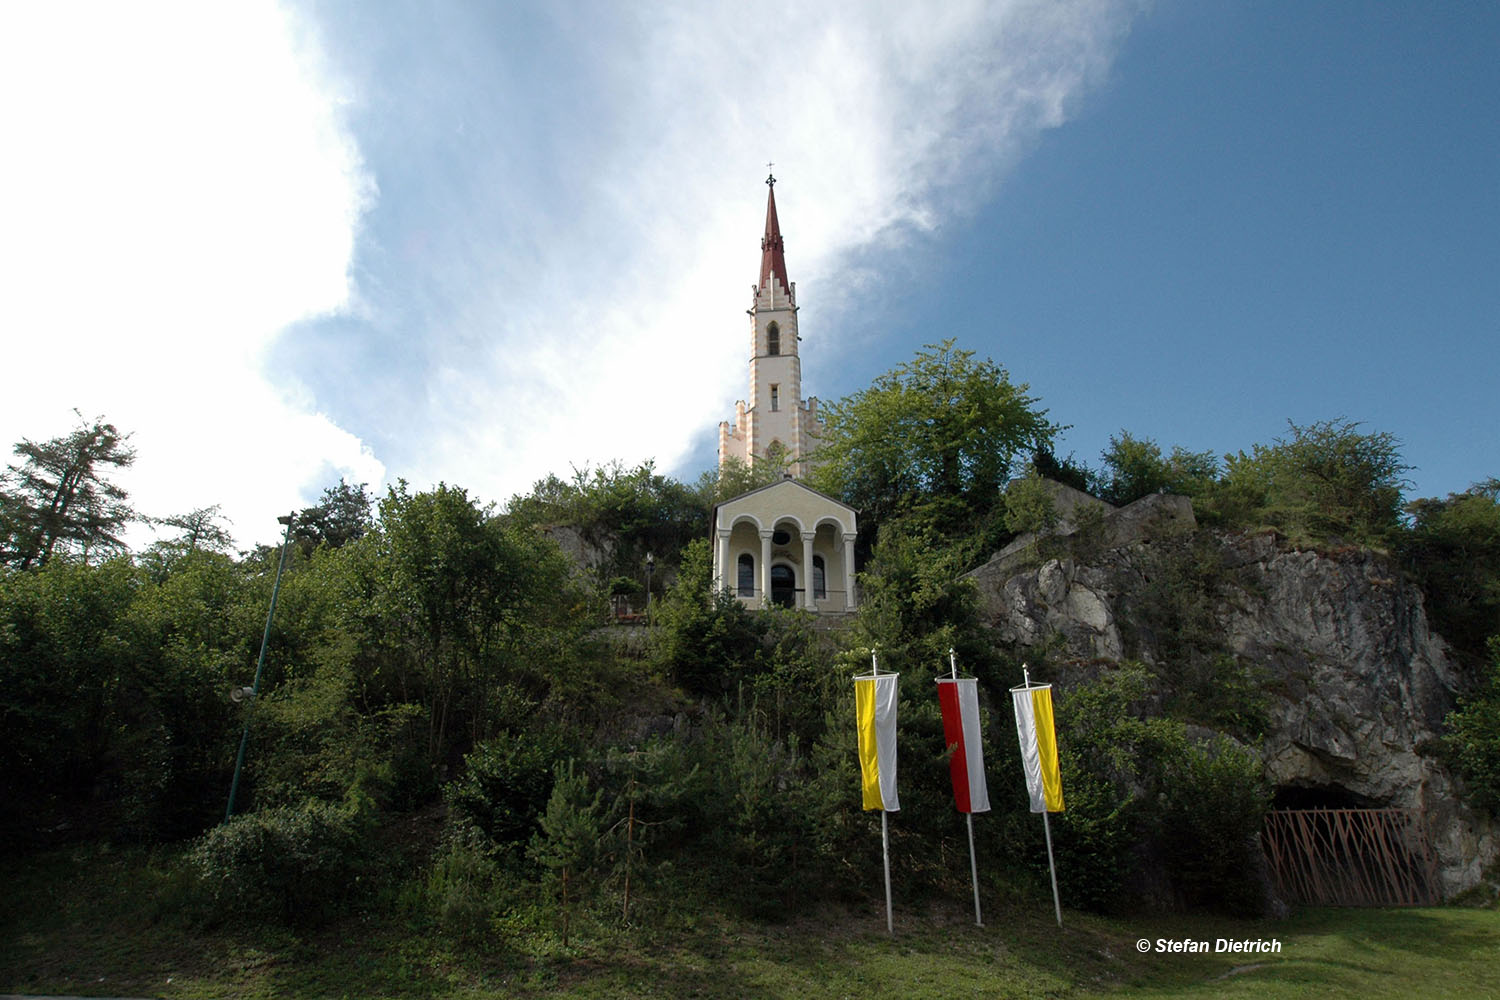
point(1038, 746)
point(875, 713)
point(959, 698)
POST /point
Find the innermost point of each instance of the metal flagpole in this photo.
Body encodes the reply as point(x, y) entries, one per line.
point(1056, 903)
point(969, 818)
point(1047, 829)
point(885, 833)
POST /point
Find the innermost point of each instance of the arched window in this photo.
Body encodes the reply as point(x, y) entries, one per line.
point(747, 575)
point(773, 339)
point(820, 577)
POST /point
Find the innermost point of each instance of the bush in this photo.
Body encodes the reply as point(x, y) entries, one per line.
point(1213, 802)
point(296, 864)
point(1138, 788)
point(505, 786)
point(461, 888)
point(1327, 482)
point(1454, 550)
point(706, 636)
point(1472, 744)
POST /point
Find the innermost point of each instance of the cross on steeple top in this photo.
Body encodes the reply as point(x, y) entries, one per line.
point(772, 254)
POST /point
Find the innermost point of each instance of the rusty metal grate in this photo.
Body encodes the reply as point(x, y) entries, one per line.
point(1351, 857)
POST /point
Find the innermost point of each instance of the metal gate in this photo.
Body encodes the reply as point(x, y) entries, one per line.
point(1351, 857)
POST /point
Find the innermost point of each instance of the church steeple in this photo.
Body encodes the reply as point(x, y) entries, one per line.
point(775, 424)
point(772, 252)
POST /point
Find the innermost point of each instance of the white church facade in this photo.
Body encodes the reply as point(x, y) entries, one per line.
point(784, 544)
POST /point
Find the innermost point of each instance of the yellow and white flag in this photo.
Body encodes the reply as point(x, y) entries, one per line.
point(1038, 746)
point(875, 713)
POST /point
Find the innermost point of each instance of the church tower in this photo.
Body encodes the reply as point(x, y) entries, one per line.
point(777, 424)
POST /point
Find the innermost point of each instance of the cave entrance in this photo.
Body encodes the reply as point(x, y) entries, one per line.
point(1329, 847)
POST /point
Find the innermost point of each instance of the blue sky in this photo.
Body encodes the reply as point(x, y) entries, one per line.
point(480, 242)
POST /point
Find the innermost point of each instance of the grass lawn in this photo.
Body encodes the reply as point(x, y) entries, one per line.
point(96, 921)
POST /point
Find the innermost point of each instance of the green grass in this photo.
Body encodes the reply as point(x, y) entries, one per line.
point(106, 922)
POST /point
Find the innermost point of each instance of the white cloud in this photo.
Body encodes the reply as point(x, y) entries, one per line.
point(190, 190)
point(179, 188)
point(883, 119)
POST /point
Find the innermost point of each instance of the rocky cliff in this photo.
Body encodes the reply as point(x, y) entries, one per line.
point(1353, 682)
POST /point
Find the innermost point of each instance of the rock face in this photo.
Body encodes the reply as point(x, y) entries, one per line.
point(1357, 682)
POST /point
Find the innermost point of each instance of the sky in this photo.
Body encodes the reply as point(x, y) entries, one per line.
point(478, 243)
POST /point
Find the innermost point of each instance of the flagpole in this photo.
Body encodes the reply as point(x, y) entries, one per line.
point(885, 847)
point(1047, 829)
point(969, 819)
point(885, 832)
point(1056, 903)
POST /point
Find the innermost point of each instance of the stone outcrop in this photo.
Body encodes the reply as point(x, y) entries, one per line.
point(1357, 682)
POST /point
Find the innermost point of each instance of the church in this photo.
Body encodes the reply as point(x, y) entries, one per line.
point(784, 544)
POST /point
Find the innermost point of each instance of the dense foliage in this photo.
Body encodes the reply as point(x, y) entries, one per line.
point(622, 514)
point(431, 656)
point(1453, 549)
point(1473, 740)
point(935, 438)
point(60, 499)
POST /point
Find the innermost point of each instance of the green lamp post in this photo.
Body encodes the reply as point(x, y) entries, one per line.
point(254, 690)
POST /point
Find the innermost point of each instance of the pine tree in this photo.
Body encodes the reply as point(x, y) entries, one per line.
point(59, 498)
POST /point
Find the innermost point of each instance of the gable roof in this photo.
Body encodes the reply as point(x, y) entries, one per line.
point(780, 484)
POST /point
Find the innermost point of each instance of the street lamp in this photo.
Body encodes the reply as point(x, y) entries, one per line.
point(650, 568)
point(241, 694)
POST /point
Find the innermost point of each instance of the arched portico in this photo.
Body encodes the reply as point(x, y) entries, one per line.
point(794, 543)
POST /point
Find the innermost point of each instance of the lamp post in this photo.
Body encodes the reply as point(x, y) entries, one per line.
point(254, 689)
point(650, 568)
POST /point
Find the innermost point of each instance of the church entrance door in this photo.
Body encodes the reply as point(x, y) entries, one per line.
point(783, 586)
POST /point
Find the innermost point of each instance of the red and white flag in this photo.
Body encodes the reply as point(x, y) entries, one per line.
point(959, 698)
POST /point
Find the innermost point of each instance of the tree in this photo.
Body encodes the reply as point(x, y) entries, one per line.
point(1135, 467)
point(59, 498)
point(463, 613)
point(1327, 481)
point(624, 513)
point(1454, 549)
point(736, 477)
point(705, 636)
point(340, 517)
point(936, 437)
point(201, 529)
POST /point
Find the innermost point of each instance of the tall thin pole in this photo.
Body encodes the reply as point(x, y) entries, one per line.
point(885, 830)
point(265, 639)
point(1052, 866)
point(969, 819)
point(650, 569)
point(885, 849)
point(1047, 829)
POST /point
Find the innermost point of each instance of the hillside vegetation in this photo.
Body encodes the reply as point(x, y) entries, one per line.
point(450, 734)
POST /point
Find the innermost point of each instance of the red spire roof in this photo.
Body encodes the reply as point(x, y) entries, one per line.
point(772, 254)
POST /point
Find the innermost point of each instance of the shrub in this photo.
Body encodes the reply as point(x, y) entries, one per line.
point(1213, 801)
point(297, 864)
point(460, 889)
point(505, 785)
point(705, 636)
point(1138, 788)
point(1472, 744)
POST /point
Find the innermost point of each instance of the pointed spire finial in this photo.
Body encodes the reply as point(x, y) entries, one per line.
point(773, 257)
point(770, 177)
